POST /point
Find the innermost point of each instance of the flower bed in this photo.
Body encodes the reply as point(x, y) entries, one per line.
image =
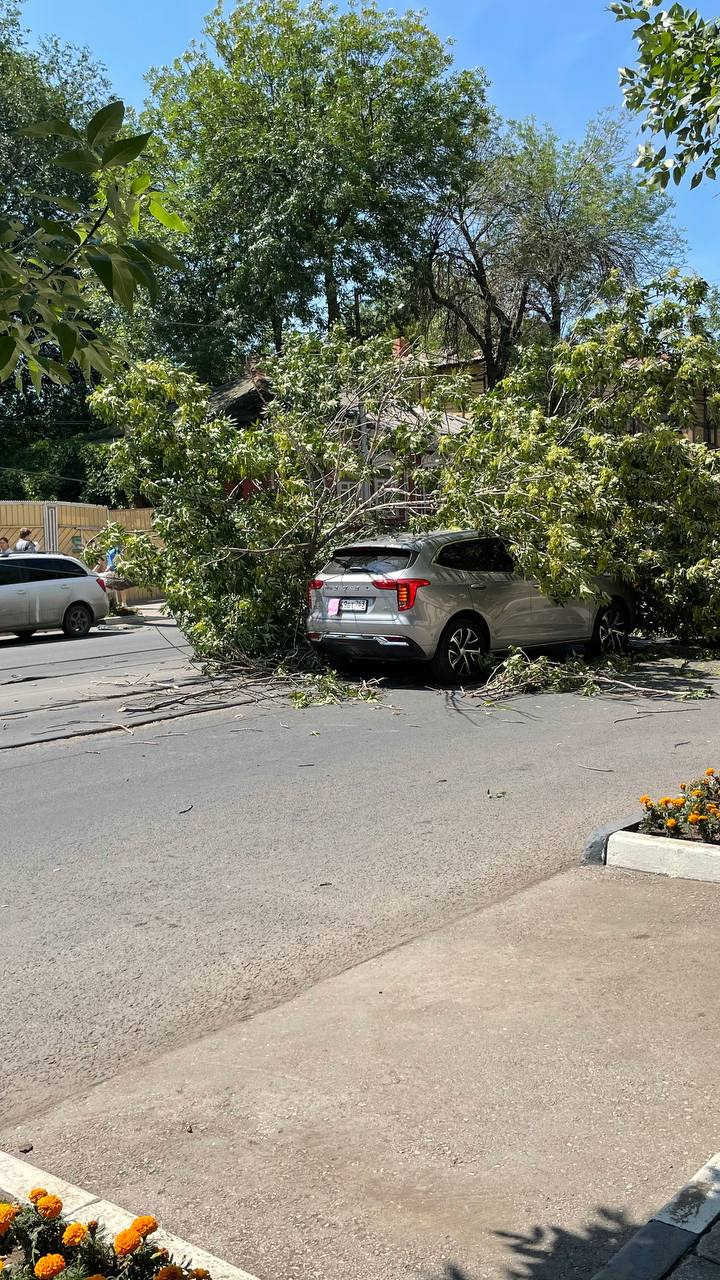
point(692, 815)
point(38, 1242)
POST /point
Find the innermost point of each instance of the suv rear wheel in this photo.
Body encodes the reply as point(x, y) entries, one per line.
point(77, 621)
point(611, 633)
point(462, 650)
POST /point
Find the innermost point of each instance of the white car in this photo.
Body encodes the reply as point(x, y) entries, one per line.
point(43, 592)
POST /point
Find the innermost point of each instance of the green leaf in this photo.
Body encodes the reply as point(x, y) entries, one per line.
point(67, 340)
point(35, 375)
point(157, 252)
point(142, 270)
point(54, 126)
point(124, 150)
point(8, 355)
point(138, 185)
point(101, 264)
point(696, 179)
point(170, 220)
point(54, 371)
point(80, 160)
point(105, 122)
point(62, 202)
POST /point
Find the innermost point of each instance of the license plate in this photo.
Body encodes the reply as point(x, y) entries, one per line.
point(353, 606)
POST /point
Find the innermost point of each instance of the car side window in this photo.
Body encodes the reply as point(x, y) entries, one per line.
point(477, 555)
point(11, 573)
point(40, 569)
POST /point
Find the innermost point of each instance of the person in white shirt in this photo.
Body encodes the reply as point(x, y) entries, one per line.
point(25, 542)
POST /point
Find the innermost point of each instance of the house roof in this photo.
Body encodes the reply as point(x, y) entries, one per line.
point(243, 400)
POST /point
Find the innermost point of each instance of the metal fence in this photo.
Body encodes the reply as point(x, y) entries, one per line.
point(67, 527)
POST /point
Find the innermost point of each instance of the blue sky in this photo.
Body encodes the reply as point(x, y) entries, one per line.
point(556, 60)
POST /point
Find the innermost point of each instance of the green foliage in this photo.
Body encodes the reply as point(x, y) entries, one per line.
point(308, 142)
point(580, 461)
point(321, 689)
point(247, 516)
point(676, 86)
point(525, 245)
point(46, 316)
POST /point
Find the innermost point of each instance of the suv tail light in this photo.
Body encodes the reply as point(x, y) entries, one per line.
point(406, 589)
point(313, 585)
point(101, 583)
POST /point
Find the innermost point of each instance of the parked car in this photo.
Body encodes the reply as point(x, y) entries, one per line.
point(449, 599)
point(41, 592)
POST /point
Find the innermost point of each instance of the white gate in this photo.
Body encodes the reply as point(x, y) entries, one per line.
point(50, 527)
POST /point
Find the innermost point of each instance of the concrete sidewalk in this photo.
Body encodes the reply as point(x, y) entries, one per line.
point(549, 1060)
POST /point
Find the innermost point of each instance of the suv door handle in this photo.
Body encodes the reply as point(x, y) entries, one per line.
point(64, 586)
point(21, 591)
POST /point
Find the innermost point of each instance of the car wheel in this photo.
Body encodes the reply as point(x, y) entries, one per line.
point(77, 621)
point(25, 634)
point(461, 652)
point(611, 633)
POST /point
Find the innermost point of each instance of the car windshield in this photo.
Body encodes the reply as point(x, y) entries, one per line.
point(382, 560)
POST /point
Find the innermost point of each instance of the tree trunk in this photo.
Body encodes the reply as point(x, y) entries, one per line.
point(331, 291)
point(277, 328)
point(556, 316)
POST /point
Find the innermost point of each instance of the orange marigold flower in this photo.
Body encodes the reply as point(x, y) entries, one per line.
point(679, 802)
point(671, 822)
point(96, 1277)
point(127, 1241)
point(74, 1234)
point(643, 800)
point(144, 1225)
point(709, 773)
point(2, 1264)
point(199, 1273)
point(36, 1193)
point(51, 1264)
point(694, 818)
point(170, 1273)
point(8, 1214)
point(696, 793)
point(49, 1207)
point(664, 800)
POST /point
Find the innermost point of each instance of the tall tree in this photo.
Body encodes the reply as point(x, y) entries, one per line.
point(535, 232)
point(309, 143)
point(676, 84)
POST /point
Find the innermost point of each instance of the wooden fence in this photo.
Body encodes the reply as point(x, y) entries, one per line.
point(67, 527)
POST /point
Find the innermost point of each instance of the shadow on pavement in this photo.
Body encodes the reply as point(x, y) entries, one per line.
point(554, 1253)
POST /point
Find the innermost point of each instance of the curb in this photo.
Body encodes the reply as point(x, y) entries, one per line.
point(681, 859)
point(17, 1177)
point(677, 1228)
point(595, 850)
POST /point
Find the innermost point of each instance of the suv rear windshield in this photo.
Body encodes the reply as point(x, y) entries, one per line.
point(379, 559)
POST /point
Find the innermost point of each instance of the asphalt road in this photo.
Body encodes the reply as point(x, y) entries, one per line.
point(157, 884)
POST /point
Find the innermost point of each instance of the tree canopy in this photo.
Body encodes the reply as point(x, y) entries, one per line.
point(309, 142)
point(531, 237)
point(676, 87)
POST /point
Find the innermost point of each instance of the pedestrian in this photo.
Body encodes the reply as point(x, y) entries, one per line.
point(4, 547)
point(115, 581)
point(25, 542)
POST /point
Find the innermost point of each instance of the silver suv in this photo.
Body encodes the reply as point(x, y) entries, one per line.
point(40, 592)
point(449, 599)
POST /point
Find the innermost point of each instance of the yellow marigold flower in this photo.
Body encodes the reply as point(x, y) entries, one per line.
point(643, 800)
point(127, 1241)
point(694, 818)
point(170, 1273)
point(8, 1214)
point(679, 802)
point(664, 800)
point(74, 1234)
point(2, 1265)
point(709, 773)
point(144, 1225)
point(49, 1207)
point(51, 1264)
point(671, 822)
point(696, 794)
point(36, 1193)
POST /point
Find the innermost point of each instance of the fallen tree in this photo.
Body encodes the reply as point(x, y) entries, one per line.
point(581, 459)
point(246, 515)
